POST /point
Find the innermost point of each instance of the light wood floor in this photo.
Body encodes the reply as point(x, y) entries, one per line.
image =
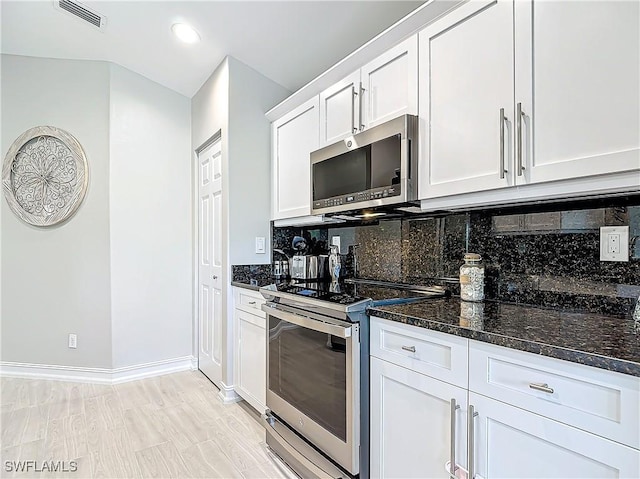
point(167, 426)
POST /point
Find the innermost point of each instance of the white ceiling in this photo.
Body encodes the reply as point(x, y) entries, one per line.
point(290, 42)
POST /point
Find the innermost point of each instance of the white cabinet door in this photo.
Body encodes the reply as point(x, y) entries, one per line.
point(466, 78)
point(577, 79)
point(411, 423)
point(339, 110)
point(514, 443)
point(390, 85)
point(293, 138)
point(251, 353)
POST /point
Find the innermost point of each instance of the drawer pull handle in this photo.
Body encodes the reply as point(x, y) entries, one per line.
point(541, 387)
point(411, 349)
point(252, 302)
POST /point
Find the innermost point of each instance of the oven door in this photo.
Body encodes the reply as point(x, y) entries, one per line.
point(313, 380)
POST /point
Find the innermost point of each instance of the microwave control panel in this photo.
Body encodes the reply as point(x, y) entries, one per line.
point(358, 197)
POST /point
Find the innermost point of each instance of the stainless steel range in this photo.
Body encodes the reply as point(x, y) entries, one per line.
point(318, 376)
point(317, 380)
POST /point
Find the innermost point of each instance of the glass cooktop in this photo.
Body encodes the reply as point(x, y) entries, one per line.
point(351, 292)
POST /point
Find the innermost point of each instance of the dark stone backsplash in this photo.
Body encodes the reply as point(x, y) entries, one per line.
point(245, 273)
point(546, 254)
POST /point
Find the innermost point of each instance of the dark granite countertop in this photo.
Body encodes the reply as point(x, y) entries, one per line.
point(254, 287)
point(605, 342)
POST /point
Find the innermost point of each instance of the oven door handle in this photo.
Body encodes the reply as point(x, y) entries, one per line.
point(309, 323)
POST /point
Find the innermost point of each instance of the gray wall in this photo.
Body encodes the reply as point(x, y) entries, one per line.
point(55, 281)
point(150, 218)
point(233, 101)
point(118, 274)
point(251, 95)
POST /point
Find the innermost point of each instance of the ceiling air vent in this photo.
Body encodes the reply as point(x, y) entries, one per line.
point(81, 11)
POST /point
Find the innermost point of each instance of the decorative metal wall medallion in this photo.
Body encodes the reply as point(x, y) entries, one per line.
point(45, 176)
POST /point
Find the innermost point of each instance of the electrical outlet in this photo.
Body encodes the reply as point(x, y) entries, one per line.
point(614, 243)
point(73, 341)
point(335, 240)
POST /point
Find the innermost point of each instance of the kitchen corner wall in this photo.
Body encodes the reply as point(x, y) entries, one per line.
point(150, 220)
point(544, 254)
point(118, 273)
point(233, 102)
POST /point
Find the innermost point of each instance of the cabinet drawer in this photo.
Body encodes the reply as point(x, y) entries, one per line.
point(595, 400)
point(441, 356)
point(249, 301)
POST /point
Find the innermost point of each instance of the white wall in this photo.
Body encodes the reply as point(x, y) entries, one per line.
point(56, 280)
point(251, 95)
point(150, 217)
point(210, 107)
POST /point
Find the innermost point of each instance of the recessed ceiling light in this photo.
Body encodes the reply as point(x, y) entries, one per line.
point(185, 33)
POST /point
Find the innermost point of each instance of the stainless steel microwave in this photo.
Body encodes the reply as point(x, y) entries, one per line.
point(375, 168)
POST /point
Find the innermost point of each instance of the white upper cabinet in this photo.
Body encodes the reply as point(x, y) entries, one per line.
point(381, 90)
point(466, 100)
point(577, 78)
point(390, 85)
point(339, 110)
point(551, 97)
point(293, 138)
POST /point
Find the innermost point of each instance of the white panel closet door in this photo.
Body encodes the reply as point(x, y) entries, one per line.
point(210, 261)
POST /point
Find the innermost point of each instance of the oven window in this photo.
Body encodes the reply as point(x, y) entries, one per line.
point(308, 370)
point(373, 166)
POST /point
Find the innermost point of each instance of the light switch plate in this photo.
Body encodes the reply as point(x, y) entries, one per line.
point(260, 244)
point(614, 243)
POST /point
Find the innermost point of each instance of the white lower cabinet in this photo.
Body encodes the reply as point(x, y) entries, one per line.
point(250, 351)
point(419, 386)
point(412, 423)
point(513, 443)
point(520, 415)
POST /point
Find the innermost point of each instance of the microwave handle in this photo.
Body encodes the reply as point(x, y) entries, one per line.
point(313, 324)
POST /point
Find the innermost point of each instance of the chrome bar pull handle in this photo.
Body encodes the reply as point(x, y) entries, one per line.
point(502, 120)
point(354, 130)
point(360, 106)
point(519, 114)
point(454, 407)
point(411, 349)
point(544, 387)
point(471, 442)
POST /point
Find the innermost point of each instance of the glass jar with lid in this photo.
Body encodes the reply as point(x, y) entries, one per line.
point(472, 278)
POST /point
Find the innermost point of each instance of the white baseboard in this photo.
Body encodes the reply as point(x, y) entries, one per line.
point(96, 375)
point(227, 394)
